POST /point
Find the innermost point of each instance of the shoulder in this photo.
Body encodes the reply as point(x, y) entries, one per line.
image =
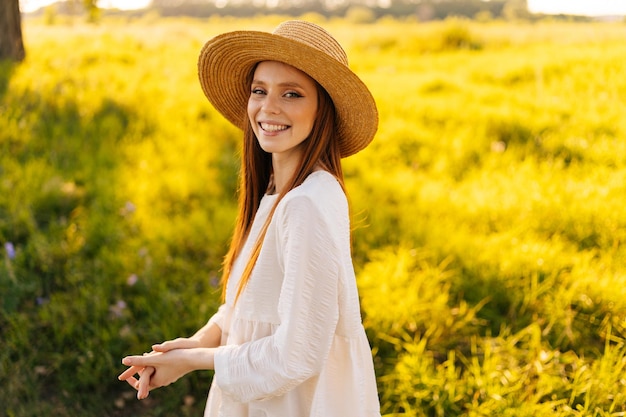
point(320, 193)
point(320, 188)
point(316, 211)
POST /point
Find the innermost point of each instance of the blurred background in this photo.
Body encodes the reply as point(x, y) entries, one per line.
point(489, 214)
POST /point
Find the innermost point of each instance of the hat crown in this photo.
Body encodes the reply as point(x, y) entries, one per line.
point(314, 36)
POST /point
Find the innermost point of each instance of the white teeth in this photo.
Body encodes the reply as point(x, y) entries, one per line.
point(273, 128)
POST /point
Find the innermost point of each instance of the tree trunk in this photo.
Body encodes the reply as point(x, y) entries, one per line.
point(11, 44)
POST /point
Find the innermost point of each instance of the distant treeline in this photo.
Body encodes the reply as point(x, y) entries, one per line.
point(429, 10)
point(355, 10)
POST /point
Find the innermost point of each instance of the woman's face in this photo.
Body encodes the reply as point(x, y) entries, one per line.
point(281, 108)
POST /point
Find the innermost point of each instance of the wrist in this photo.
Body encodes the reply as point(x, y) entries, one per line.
point(202, 358)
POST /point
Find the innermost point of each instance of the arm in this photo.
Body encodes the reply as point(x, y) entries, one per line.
point(209, 336)
point(308, 311)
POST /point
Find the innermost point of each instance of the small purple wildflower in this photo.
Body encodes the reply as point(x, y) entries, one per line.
point(10, 250)
point(214, 281)
point(132, 280)
point(118, 308)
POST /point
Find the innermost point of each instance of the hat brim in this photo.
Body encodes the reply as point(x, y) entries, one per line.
point(225, 63)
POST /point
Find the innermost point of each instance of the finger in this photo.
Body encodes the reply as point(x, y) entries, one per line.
point(163, 347)
point(144, 383)
point(139, 361)
point(133, 382)
point(130, 372)
point(130, 379)
point(180, 343)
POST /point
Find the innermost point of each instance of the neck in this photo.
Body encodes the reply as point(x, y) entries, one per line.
point(284, 168)
point(283, 172)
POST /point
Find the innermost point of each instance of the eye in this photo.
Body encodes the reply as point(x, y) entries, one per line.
point(293, 94)
point(257, 91)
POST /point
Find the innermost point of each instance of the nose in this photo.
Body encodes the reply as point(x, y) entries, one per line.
point(271, 104)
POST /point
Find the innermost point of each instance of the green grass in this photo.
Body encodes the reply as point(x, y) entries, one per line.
point(488, 214)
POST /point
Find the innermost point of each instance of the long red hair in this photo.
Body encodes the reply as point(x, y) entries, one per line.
point(321, 149)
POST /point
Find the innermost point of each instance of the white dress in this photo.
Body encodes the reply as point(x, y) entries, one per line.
point(294, 345)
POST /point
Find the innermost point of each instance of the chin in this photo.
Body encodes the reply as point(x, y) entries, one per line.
point(268, 149)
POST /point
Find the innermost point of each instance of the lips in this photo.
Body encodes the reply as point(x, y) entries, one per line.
point(271, 127)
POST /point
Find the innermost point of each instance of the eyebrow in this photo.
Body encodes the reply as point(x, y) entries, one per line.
point(284, 84)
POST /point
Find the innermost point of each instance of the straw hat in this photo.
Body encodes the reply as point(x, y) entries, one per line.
point(226, 61)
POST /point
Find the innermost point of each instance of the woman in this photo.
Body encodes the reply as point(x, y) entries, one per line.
point(288, 339)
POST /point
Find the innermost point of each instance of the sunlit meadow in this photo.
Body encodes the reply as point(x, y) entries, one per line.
point(489, 213)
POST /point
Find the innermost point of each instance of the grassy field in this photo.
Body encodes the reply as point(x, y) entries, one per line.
point(489, 213)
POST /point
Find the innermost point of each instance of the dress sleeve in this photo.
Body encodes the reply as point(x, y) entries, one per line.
point(307, 308)
point(219, 317)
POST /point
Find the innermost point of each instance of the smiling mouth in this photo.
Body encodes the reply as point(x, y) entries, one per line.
point(273, 128)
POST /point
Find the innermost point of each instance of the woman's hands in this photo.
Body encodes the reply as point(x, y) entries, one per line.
point(165, 364)
point(170, 360)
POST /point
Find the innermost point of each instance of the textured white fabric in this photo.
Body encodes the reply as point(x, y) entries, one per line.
point(294, 345)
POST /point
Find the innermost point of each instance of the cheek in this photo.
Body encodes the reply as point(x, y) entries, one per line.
point(312, 116)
